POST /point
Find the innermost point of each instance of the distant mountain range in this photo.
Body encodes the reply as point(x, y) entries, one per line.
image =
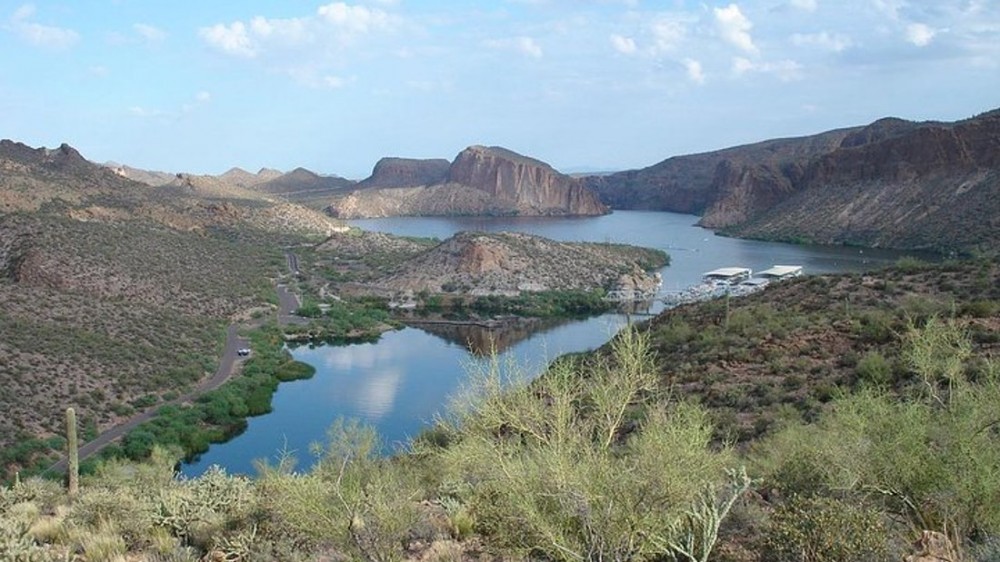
point(299, 186)
point(893, 183)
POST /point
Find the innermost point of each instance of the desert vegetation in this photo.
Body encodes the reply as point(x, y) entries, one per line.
point(607, 456)
point(112, 318)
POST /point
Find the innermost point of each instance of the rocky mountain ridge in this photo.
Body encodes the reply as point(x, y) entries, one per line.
point(893, 183)
point(480, 181)
point(62, 181)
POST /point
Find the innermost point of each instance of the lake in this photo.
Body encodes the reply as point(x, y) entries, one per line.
point(399, 383)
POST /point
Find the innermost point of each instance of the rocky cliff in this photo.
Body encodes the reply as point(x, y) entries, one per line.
point(406, 172)
point(480, 181)
point(921, 186)
point(894, 183)
point(691, 183)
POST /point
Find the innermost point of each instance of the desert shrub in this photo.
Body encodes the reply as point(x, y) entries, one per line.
point(930, 461)
point(825, 529)
point(875, 326)
point(874, 369)
point(910, 264)
point(362, 503)
point(582, 466)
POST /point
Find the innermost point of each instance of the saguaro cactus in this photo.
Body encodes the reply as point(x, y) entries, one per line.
point(73, 464)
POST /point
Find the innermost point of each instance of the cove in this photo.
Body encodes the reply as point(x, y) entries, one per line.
point(400, 382)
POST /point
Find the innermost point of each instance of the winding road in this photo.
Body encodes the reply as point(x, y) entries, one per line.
point(226, 367)
point(288, 302)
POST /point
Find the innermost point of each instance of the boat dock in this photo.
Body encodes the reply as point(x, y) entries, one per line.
point(731, 281)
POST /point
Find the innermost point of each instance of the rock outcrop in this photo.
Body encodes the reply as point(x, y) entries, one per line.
point(480, 181)
point(406, 172)
point(933, 546)
point(506, 263)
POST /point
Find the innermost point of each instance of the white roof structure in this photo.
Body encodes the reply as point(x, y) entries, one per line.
point(782, 271)
point(729, 272)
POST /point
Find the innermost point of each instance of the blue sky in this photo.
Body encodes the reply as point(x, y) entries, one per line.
point(582, 84)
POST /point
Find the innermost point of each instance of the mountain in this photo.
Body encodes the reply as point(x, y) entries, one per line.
point(304, 187)
point(687, 184)
point(480, 181)
point(893, 183)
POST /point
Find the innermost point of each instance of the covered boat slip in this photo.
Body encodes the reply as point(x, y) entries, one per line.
point(782, 272)
point(731, 275)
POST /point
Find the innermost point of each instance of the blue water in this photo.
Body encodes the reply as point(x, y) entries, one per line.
point(400, 382)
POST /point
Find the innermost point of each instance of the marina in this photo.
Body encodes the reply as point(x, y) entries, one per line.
point(730, 281)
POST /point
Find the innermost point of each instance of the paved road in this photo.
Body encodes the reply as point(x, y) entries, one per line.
point(288, 302)
point(222, 374)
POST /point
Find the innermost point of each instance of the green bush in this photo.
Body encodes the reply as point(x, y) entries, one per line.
point(583, 465)
point(874, 369)
point(825, 529)
point(930, 460)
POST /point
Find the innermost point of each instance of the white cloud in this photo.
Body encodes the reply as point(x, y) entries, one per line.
point(920, 34)
point(735, 27)
point(359, 19)
point(333, 25)
point(694, 71)
point(150, 33)
point(805, 5)
point(825, 40)
point(624, 45)
point(100, 71)
point(45, 36)
point(291, 31)
point(785, 70)
point(231, 39)
point(525, 45)
point(667, 34)
point(203, 96)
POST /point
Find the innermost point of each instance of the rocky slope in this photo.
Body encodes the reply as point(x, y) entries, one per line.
point(506, 263)
point(63, 182)
point(893, 183)
point(923, 186)
point(480, 181)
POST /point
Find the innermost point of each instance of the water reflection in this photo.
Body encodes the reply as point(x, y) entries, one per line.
point(484, 339)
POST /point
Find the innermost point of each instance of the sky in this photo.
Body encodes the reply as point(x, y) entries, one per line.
point(585, 85)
